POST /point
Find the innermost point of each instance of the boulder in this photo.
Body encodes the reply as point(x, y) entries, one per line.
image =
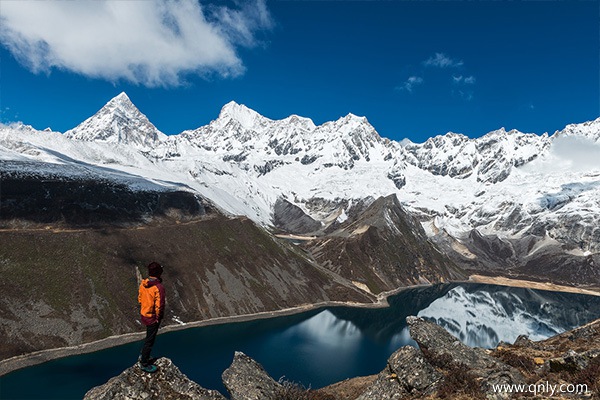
point(524, 341)
point(246, 379)
point(168, 383)
point(407, 373)
point(572, 361)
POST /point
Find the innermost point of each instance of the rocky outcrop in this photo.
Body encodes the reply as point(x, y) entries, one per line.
point(168, 383)
point(573, 357)
point(407, 372)
point(441, 367)
point(246, 379)
point(290, 218)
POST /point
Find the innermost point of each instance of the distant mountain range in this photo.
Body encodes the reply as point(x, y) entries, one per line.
point(509, 201)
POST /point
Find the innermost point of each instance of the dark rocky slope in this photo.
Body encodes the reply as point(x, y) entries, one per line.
point(441, 368)
point(45, 195)
point(65, 287)
point(383, 248)
point(73, 250)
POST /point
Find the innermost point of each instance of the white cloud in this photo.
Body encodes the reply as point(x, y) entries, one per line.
point(410, 83)
point(576, 153)
point(441, 60)
point(470, 80)
point(569, 154)
point(152, 43)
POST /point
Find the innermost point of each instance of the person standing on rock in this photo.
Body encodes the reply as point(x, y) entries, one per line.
point(152, 308)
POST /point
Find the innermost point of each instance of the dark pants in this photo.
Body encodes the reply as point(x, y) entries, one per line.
point(151, 331)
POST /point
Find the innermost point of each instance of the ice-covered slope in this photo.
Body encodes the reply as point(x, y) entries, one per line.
point(506, 185)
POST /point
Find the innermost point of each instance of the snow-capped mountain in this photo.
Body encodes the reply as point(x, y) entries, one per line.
point(119, 121)
point(521, 191)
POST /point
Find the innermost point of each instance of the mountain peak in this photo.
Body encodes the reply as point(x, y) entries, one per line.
point(118, 121)
point(245, 116)
point(305, 123)
point(120, 99)
point(351, 116)
point(121, 96)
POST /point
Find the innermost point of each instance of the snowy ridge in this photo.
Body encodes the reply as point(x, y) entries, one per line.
point(509, 184)
point(491, 157)
point(589, 130)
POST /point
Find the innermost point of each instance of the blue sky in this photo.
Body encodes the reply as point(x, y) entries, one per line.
point(415, 69)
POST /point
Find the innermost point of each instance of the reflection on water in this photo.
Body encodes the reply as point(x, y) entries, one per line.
point(320, 347)
point(483, 316)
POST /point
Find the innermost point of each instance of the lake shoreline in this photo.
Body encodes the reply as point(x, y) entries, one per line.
point(522, 283)
point(30, 359)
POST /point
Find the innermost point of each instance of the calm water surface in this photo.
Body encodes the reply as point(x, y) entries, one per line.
point(315, 348)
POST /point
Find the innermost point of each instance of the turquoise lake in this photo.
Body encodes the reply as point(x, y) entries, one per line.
point(319, 347)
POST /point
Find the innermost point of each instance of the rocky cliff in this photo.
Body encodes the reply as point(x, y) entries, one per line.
point(440, 368)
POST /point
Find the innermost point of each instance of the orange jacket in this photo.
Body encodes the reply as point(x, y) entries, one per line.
point(152, 301)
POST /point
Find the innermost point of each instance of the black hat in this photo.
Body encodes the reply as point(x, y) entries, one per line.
point(155, 269)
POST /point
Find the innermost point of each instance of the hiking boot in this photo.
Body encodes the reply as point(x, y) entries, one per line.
point(149, 368)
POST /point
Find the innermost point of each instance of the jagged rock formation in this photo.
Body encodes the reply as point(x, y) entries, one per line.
point(246, 379)
point(168, 383)
point(573, 357)
point(440, 368)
